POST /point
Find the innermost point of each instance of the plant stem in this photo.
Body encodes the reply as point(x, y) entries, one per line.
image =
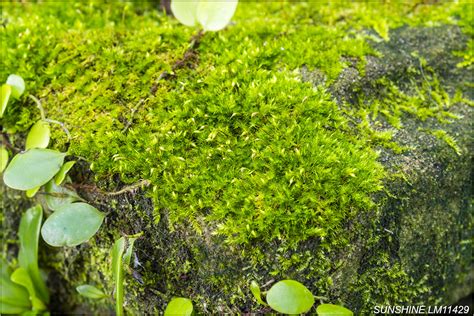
point(38, 104)
point(62, 126)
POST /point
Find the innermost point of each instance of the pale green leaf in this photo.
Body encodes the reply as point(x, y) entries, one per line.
point(90, 291)
point(38, 136)
point(6, 91)
point(255, 289)
point(28, 233)
point(333, 310)
point(215, 15)
point(14, 298)
point(71, 225)
point(58, 196)
point(12, 308)
point(185, 11)
point(290, 297)
point(117, 272)
point(20, 276)
point(179, 306)
point(18, 85)
point(33, 168)
point(61, 175)
point(3, 158)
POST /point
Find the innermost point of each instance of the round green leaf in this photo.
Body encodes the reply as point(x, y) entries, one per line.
point(38, 136)
point(290, 297)
point(90, 291)
point(33, 168)
point(4, 97)
point(71, 225)
point(18, 85)
point(215, 15)
point(333, 310)
point(179, 306)
point(3, 158)
point(185, 11)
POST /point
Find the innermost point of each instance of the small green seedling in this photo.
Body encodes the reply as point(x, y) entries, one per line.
point(179, 306)
point(292, 297)
point(14, 87)
point(286, 297)
point(121, 256)
point(211, 15)
point(23, 290)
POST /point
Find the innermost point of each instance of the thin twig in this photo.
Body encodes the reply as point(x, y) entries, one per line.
point(268, 283)
point(6, 142)
point(132, 113)
point(94, 188)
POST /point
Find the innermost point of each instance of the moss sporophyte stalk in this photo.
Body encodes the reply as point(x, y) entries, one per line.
point(270, 149)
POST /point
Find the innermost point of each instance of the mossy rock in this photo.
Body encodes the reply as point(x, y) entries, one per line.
point(330, 144)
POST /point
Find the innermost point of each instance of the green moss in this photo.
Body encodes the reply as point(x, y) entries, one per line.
point(239, 151)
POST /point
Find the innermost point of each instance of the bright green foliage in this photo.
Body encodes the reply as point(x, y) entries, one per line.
point(5, 93)
point(33, 168)
point(61, 175)
point(3, 158)
point(18, 85)
point(90, 291)
point(24, 290)
point(38, 136)
point(121, 255)
point(179, 306)
point(117, 270)
point(14, 299)
point(15, 86)
point(28, 233)
point(71, 225)
point(32, 192)
point(21, 276)
point(333, 310)
point(290, 297)
point(255, 289)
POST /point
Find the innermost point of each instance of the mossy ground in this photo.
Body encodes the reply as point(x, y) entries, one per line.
point(263, 148)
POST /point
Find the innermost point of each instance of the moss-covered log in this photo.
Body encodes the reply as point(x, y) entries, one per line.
point(327, 143)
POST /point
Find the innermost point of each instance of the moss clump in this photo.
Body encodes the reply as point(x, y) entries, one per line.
point(245, 160)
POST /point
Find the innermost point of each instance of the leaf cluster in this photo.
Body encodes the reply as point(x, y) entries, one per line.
point(24, 289)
